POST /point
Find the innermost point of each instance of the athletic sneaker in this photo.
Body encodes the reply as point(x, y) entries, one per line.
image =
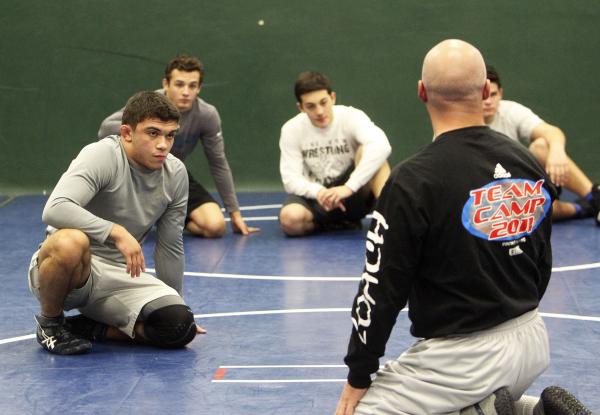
point(586, 209)
point(557, 401)
point(86, 328)
point(498, 403)
point(52, 335)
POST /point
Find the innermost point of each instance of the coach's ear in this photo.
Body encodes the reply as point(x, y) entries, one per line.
point(421, 92)
point(486, 90)
point(125, 132)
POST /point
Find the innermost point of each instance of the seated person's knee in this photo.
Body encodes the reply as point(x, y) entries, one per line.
point(70, 240)
point(215, 228)
point(170, 327)
point(207, 221)
point(66, 246)
point(293, 220)
point(539, 148)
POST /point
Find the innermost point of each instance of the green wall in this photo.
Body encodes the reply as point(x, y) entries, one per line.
point(67, 64)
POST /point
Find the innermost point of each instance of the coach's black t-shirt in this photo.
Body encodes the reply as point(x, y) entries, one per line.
point(462, 233)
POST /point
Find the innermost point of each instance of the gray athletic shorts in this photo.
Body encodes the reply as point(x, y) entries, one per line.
point(110, 295)
point(444, 375)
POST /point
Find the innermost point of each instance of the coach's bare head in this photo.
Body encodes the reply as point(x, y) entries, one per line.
point(453, 71)
point(453, 84)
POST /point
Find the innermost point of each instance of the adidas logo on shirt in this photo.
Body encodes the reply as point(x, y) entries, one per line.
point(500, 172)
point(515, 251)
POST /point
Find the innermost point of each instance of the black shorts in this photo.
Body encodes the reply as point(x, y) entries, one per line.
point(197, 196)
point(357, 206)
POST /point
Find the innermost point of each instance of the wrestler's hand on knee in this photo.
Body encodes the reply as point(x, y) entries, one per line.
point(349, 400)
point(557, 167)
point(337, 196)
point(322, 198)
point(130, 248)
point(333, 197)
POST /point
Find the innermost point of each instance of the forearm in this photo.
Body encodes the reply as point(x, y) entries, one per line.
point(169, 268)
point(214, 150)
point(294, 182)
point(62, 213)
point(301, 186)
point(224, 183)
point(373, 320)
point(360, 362)
point(553, 135)
point(169, 254)
point(168, 251)
point(375, 153)
point(291, 168)
point(391, 256)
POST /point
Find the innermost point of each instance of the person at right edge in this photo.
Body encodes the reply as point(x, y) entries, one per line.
point(461, 233)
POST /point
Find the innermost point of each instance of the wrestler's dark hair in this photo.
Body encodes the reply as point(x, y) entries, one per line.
point(148, 104)
point(492, 75)
point(184, 63)
point(309, 82)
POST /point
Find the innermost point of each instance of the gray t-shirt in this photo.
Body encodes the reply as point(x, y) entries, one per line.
point(200, 123)
point(515, 120)
point(102, 187)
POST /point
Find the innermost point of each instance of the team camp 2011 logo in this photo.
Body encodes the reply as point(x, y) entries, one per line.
point(507, 209)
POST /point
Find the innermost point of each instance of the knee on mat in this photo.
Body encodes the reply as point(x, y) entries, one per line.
point(214, 229)
point(207, 221)
point(292, 221)
point(539, 148)
point(170, 327)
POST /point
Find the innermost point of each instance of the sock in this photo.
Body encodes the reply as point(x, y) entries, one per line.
point(577, 209)
point(589, 197)
point(44, 320)
point(525, 405)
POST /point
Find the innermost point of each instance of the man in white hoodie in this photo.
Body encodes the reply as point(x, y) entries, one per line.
point(333, 161)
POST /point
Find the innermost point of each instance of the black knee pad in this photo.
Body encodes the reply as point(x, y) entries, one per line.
point(170, 327)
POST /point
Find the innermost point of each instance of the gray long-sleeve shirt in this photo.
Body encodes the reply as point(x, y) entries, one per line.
point(201, 123)
point(102, 187)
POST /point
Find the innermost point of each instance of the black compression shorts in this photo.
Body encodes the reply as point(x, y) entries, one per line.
point(197, 196)
point(357, 206)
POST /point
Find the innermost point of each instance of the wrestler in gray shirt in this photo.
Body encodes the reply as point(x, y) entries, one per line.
point(201, 122)
point(102, 187)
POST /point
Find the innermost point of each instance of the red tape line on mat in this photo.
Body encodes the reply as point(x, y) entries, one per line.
point(220, 373)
